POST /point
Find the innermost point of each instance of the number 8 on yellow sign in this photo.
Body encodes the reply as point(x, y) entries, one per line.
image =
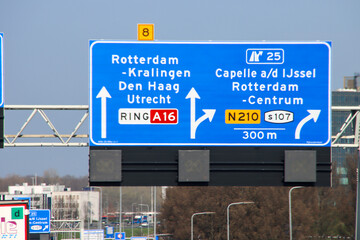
point(145, 32)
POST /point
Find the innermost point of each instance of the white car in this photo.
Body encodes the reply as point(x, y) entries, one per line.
point(144, 225)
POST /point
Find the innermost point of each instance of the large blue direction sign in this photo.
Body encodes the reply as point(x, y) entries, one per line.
point(1, 71)
point(209, 93)
point(39, 221)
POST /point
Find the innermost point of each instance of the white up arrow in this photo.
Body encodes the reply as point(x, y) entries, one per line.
point(103, 94)
point(314, 114)
point(209, 113)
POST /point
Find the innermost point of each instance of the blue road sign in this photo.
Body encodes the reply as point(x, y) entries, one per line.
point(209, 93)
point(39, 221)
point(120, 236)
point(1, 71)
point(23, 198)
point(110, 232)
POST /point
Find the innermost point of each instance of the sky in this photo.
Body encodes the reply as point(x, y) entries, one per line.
point(46, 51)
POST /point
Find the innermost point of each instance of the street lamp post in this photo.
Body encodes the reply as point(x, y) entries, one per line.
point(154, 214)
point(120, 203)
point(147, 215)
point(290, 221)
point(228, 215)
point(192, 221)
point(132, 219)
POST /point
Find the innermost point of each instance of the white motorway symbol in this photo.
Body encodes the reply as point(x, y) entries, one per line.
point(209, 113)
point(103, 94)
point(314, 114)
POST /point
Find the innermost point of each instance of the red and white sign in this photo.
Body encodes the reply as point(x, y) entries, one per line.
point(14, 220)
point(148, 116)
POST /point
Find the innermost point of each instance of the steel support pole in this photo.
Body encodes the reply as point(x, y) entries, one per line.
point(147, 216)
point(132, 219)
point(154, 217)
point(120, 203)
point(357, 223)
point(101, 210)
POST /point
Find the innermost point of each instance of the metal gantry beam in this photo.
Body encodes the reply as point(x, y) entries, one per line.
point(68, 139)
point(352, 122)
point(56, 139)
point(60, 226)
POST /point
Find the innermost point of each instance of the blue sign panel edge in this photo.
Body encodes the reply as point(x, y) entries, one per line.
point(92, 43)
point(2, 69)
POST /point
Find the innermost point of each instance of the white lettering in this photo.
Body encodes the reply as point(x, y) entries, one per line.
point(115, 58)
point(134, 59)
point(246, 73)
point(130, 86)
point(275, 100)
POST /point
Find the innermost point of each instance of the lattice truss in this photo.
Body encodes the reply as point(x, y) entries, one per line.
point(21, 137)
point(65, 226)
point(346, 136)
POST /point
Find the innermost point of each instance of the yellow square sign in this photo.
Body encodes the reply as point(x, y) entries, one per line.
point(146, 32)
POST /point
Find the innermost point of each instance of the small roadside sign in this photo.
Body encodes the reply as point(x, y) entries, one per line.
point(93, 234)
point(14, 220)
point(39, 221)
point(120, 236)
point(146, 32)
point(23, 198)
point(110, 232)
